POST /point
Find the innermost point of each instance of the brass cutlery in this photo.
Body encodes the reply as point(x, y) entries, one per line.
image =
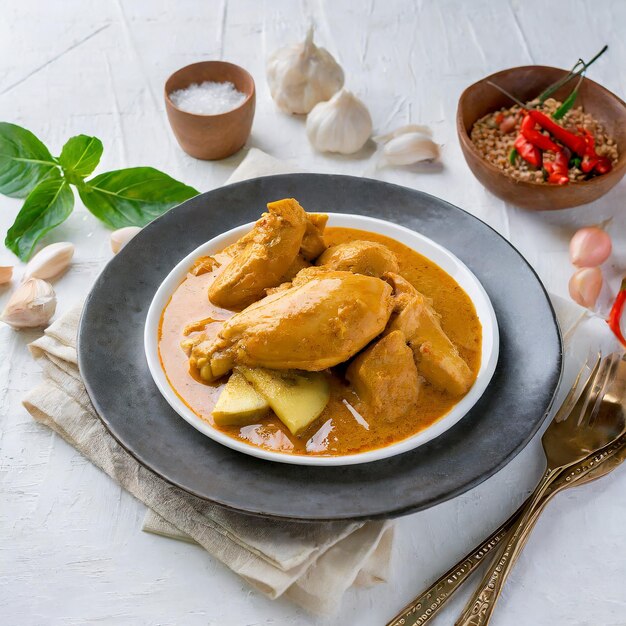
point(589, 428)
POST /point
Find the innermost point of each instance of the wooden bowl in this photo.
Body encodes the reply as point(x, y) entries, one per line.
point(527, 83)
point(211, 137)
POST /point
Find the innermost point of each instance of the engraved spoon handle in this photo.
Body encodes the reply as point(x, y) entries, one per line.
point(427, 604)
point(478, 610)
point(423, 608)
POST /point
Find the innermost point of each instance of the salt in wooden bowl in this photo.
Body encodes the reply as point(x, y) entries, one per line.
point(211, 137)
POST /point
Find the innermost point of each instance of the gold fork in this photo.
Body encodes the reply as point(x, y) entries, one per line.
point(423, 608)
point(597, 421)
point(428, 603)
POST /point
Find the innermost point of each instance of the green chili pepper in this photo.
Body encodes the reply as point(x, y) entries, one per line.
point(568, 103)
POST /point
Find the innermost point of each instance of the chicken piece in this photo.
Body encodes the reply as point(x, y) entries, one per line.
point(299, 263)
point(319, 323)
point(303, 275)
point(313, 243)
point(261, 258)
point(436, 357)
point(361, 257)
point(385, 377)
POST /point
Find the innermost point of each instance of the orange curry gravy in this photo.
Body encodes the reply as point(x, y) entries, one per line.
point(340, 429)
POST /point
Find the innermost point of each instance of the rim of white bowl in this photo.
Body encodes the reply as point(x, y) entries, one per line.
point(425, 246)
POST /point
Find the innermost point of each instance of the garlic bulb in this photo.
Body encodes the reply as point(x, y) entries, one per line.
point(585, 286)
point(301, 75)
point(49, 261)
point(6, 274)
point(408, 145)
point(590, 247)
point(120, 237)
point(32, 304)
point(343, 124)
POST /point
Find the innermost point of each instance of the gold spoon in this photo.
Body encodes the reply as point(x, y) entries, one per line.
point(597, 421)
point(423, 608)
point(429, 602)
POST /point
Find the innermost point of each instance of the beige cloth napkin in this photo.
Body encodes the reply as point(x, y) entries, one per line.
point(312, 564)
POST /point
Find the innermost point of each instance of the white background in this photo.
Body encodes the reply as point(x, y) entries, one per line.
point(71, 549)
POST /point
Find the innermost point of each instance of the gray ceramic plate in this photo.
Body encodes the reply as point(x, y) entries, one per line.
point(113, 364)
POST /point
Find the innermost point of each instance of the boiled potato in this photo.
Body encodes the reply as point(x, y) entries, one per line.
point(297, 397)
point(239, 404)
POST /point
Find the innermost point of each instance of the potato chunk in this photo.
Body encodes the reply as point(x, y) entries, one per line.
point(298, 398)
point(239, 404)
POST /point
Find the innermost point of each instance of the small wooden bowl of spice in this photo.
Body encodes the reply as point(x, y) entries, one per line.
point(210, 106)
point(553, 172)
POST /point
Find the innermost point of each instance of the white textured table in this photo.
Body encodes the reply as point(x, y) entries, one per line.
point(71, 550)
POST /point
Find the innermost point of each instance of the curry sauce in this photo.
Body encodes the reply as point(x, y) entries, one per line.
point(340, 429)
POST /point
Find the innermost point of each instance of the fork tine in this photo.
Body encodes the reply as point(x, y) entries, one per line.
point(574, 393)
point(611, 363)
point(590, 393)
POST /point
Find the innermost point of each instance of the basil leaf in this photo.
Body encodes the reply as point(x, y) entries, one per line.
point(132, 197)
point(47, 205)
point(80, 156)
point(24, 161)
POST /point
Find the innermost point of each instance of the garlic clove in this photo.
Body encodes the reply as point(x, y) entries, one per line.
point(120, 237)
point(410, 148)
point(6, 274)
point(590, 247)
point(343, 124)
point(585, 286)
point(50, 261)
point(31, 305)
point(410, 128)
point(301, 75)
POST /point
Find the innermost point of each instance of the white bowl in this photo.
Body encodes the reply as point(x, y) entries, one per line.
point(436, 253)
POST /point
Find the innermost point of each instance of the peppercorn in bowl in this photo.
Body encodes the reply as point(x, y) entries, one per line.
point(565, 151)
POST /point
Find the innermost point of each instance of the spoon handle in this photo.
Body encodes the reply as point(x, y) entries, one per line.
point(478, 610)
point(423, 608)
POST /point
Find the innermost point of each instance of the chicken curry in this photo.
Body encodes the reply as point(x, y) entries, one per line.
point(310, 340)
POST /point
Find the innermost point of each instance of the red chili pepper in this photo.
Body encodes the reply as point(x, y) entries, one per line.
point(499, 117)
point(604, 165)
point(588, 163)
point(574, 142)
point(617, 313)
point(556, 178)
point(558, 169)
point(535, 137)
point(528, 151)
point(590, 158)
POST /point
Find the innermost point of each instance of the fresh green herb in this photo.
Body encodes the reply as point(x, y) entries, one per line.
point(579, 68)
point(24, 161)
point(132, 197)
point(575, 162)
point(79, 156)
point(568, 103)
point(46, 206)
point(513, 156)
point(128, 197)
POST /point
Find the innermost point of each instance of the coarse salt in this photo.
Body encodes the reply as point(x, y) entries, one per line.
point(208, 98)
